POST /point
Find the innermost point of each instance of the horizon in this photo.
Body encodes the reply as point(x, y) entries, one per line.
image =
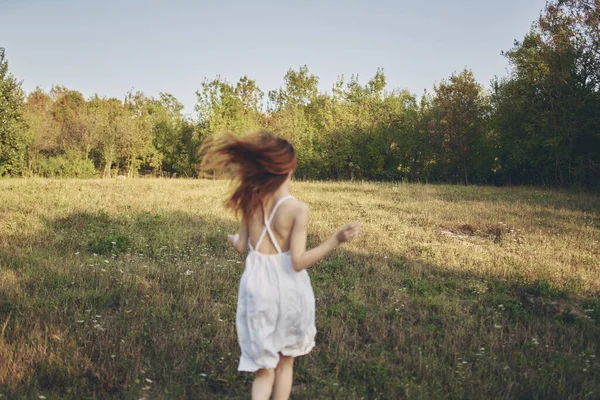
point(98, 51)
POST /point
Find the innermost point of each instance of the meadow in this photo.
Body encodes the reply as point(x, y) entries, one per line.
point(127, 289)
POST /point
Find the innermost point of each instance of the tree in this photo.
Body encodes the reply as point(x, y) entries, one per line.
point(13, 134)
point(176, 139)
point(547, 111)
point(460, 109)
point(43, 132)
point(296, 112)
point(300, 88)
point(139, 144)
point(222, 106)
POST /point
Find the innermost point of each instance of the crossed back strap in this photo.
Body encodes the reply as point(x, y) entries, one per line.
point(267, 228)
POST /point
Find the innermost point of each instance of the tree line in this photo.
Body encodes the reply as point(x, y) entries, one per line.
point(540, 124)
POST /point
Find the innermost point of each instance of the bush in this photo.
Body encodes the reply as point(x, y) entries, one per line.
point(69, 165)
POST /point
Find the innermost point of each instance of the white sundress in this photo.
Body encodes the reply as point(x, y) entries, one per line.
point(276, 307)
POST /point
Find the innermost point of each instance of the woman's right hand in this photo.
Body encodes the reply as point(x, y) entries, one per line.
point(233, 239)
point(348, 232)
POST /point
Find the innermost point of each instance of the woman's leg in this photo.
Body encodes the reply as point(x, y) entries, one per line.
point(283, 378)
point(263, 384)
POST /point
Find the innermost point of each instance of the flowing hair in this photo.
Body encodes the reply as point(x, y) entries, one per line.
point(258, 164)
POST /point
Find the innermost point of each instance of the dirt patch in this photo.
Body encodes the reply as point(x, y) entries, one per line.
point(495, 232)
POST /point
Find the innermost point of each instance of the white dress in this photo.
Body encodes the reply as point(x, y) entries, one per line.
point(276, 307)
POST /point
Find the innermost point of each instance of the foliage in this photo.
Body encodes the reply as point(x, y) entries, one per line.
point(538, 125)
point(547, 111)
point(72, 164)
point(13, 139)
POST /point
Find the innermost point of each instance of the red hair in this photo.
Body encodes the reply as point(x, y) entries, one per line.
point(258, 164)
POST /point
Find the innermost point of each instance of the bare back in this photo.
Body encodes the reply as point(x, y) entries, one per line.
point(281, 224)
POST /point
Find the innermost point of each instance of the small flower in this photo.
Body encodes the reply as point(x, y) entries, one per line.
point(203, 375)
point(100, 328)
point(188, 272)
point(148, 380)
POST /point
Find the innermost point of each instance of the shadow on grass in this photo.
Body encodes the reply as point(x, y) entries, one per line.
point(144, 305)
point(549, 199)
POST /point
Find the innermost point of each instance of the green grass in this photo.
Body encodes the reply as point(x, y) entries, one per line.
point(127, 289)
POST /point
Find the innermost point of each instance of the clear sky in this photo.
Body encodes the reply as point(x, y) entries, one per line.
point(110, 47)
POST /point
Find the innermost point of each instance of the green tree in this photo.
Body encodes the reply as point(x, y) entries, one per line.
point(68, 112)
point(13, 130)
point(222, 106)
point(547, 110)
point(296, 112)
point(460, 128)
point(177, 139)
point(139, 144)
point(43, 132)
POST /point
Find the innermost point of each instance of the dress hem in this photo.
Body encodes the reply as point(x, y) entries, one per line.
point(248, 365)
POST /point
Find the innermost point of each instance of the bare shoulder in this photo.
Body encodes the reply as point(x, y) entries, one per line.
point(295, 208)
point(299, 207)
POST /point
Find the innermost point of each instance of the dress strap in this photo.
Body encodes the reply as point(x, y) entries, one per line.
point(281, 200)
point(267, 228)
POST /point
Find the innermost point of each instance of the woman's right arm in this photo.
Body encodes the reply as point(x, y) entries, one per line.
point(239, 241)
point(302, 258)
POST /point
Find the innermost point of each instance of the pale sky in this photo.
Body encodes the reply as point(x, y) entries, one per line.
point(110, 47)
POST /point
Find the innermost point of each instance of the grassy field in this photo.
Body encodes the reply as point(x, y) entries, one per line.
point(127, 289)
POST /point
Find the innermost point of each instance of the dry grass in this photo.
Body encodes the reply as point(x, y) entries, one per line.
point(127, 289)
